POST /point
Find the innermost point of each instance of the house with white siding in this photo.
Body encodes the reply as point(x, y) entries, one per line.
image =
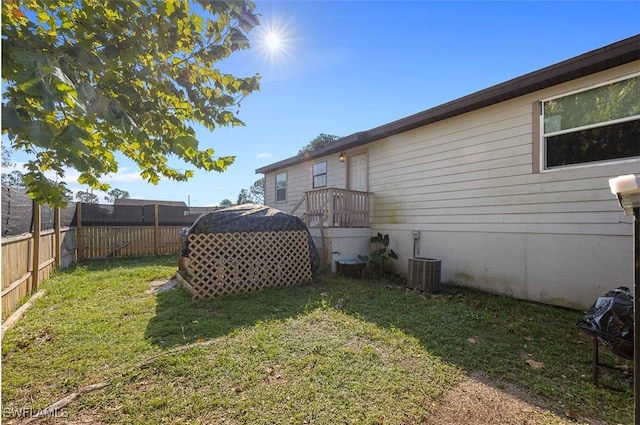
point(507, 187)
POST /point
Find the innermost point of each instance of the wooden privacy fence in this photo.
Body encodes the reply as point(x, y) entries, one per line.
point(107, 239)
point(29, 259)
point(59, 248)
point(104, 242)
point(225, 263)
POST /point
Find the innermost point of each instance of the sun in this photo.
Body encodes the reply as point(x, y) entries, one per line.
point(273, 41)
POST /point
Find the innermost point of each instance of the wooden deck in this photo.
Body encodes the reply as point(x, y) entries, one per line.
point(333, 207)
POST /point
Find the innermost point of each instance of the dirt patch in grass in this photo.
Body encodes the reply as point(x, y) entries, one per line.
point(474, 401)
point(162, 285)
point(479, 401)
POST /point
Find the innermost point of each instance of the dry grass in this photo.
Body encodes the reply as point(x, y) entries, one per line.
point(479, 400)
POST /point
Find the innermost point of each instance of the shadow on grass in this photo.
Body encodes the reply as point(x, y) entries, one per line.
point(509, 340)
point(463, 326)
point(181, 320)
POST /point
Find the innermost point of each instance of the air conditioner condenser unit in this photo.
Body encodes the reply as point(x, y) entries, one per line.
point(424, 274)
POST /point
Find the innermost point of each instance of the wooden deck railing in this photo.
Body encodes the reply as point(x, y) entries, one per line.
point(332, 207)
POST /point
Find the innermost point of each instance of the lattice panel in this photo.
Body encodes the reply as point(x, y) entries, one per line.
point(225, 263)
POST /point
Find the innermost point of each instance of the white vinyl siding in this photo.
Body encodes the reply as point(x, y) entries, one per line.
point(300, 180)
point(473, 173)
point(470, 185)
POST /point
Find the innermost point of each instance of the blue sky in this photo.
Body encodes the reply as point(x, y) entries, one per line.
point(349, 66)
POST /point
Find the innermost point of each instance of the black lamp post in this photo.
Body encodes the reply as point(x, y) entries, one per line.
point(627, 189)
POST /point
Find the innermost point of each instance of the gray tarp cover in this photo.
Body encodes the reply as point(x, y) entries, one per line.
point(251, 218)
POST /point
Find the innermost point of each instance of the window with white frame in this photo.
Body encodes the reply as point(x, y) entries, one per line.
point(594, 125)
point(320, 174)
point(281, 187)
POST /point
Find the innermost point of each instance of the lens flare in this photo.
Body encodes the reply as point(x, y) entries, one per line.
point(273, 41)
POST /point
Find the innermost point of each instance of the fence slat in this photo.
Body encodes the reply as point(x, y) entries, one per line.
point(19, 267)
point(102, 241)
point(16, 284)
point(35, 274)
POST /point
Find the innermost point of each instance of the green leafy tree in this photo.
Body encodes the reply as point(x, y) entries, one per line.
point(225, 203)
point(116, 193)
point(244, 197)
point(318, 142)
point(13, 178)
point(257, 192)
point(86, 197)
point(86, 79)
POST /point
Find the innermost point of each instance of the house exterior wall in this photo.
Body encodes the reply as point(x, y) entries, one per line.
point(470, 186)
point(335, 244)
point(300, 180)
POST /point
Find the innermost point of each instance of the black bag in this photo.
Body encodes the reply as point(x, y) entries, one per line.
point(610, 319)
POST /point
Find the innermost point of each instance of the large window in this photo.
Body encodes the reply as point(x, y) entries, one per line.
point(599, 124)
point(281, 187)
point(320, 174)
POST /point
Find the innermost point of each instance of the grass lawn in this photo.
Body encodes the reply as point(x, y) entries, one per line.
point(333, 351)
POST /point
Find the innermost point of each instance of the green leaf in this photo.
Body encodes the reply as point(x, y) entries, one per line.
point(39, 133)
point(10, 119)
point(170, 7)
point(73, 134)
point(31, 59)
point(45, 191)
point(376, 258)
point(185, 144)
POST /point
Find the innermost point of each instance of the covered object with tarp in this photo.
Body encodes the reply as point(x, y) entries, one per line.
point(610, 320)
point(246, 248)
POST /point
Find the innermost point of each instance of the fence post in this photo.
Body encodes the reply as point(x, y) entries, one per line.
point(58, 237)
point(79, 247)
point(156, 229)
point(35, 272)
